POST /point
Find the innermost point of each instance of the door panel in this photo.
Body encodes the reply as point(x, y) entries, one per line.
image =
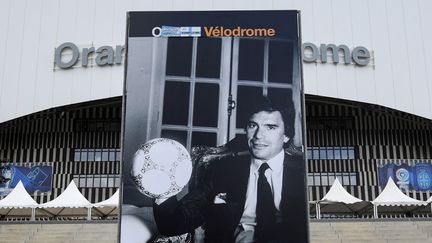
point(196, 90)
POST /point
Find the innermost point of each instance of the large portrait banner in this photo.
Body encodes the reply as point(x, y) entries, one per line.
point(213, 132)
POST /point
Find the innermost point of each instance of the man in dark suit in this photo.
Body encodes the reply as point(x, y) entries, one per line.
point(257, 197)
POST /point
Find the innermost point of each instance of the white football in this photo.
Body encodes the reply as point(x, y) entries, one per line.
point(161, 168)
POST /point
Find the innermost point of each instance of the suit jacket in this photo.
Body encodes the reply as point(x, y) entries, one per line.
point(230, 176)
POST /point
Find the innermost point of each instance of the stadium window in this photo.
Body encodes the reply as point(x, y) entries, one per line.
point(105, 155)
point(345, 179)
point(331, 153)
point(344, 153)
point(331, 179)
point(117, 181)
point(118, 155)
point(339, 123)
point(337, 153)
point(353, 179)
point(309, 153)
point(83, 155)
point(339, 177)
point(89, 181)
point(97, 181)
point(97, 126)
point(77, 155)
point(315, 153)
point(327, 178)
point(323, 153)
point(112, 155)
point(97, 155)
point(110, 182)
point(91, 155)
point(351, 153)
point(317, 179)
point(82, 182)
point(324, 179)
point(310, 179)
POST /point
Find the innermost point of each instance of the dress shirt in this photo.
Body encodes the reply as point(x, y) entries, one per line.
point(274, 176)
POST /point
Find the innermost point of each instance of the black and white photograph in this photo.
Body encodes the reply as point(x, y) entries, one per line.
point(213, 128)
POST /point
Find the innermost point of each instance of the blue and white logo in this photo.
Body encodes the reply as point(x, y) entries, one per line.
point(423, 176)
point(402, 175)
point(415, 177)
point(423, 179)
point(172, 31)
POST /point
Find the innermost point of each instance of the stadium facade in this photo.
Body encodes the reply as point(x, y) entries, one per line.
point(367, 80)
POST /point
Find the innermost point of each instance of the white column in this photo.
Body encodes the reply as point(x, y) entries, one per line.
point(33, 214)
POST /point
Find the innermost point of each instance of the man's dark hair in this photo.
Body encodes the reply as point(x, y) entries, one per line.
point(263, 103)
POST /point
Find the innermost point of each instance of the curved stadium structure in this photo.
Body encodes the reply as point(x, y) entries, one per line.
point(368, 95)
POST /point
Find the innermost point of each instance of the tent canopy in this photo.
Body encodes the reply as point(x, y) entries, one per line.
point(338, 200)
point(18, 198)
point(108, 207)
point(338, 194)
point(70, 203)
point(70, 198)
point(113, 201)
point(391, 195)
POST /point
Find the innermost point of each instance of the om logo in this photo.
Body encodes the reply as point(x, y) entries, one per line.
point(423, 179)
point(402, 175)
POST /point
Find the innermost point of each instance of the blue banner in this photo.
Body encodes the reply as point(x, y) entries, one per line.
point(416, 177)
point(36, 178)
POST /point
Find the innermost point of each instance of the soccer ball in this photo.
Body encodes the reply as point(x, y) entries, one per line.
point(161, 168)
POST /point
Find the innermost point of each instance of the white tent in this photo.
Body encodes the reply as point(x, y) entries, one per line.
point(430, 201)
point(17, 201)
point(391, 195)
point(109, 206)
point(70, 203)
point(425, 209)
point(338, 200)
